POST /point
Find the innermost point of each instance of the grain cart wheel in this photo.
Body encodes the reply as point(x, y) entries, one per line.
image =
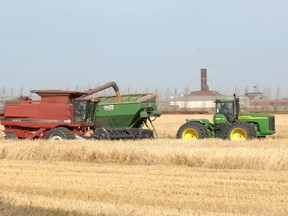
point(241, 131)
point(59, 133)
point(148, 134)
point(192, 130)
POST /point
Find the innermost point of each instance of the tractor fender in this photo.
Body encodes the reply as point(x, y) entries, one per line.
point(205, 122)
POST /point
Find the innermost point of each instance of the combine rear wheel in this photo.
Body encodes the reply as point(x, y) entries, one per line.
point(241, 131)
point(60, 133)
point(192, 130)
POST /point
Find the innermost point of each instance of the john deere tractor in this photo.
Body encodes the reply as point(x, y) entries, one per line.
point(229, 123)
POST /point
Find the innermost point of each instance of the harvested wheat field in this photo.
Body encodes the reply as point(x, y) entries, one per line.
point(164, 176)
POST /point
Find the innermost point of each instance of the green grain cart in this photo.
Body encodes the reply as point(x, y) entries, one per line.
point(115, 120)
point(119, 116)
point(229, 123)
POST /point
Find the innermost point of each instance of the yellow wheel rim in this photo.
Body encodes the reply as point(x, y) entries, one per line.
point(238, 134)
point(190, 134)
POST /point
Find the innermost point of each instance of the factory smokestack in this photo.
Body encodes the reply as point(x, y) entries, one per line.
point(204, 86)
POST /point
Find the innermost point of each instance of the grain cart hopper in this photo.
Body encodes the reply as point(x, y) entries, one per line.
point(71, 114)
point(229, 123)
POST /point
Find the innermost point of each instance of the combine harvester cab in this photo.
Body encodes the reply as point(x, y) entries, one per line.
point(70, 114)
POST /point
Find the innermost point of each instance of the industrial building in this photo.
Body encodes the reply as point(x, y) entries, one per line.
point(202, 101)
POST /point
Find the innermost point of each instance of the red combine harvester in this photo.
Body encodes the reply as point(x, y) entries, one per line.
point(69, 114)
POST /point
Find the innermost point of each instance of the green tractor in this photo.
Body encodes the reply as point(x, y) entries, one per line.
point(229, 123)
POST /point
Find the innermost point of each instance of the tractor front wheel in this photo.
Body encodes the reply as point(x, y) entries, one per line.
point(192, 130)
point(241, 131)
point(59, 133)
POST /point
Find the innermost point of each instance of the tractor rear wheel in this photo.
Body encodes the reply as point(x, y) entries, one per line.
point(192, 130)
point(241, 131)
point(59, 133)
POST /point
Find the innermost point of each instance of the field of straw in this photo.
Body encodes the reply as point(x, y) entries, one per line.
point(163, 176)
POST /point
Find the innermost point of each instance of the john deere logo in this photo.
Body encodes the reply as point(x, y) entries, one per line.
point(108, 107)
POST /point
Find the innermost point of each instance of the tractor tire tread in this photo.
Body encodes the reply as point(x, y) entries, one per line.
point(200, 128)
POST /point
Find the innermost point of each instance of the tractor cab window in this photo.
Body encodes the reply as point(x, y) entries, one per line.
point(83, 111)
point(224, 108)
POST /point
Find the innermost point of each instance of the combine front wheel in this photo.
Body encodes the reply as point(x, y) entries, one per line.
point(192, 130)
point(59, 133)
point(241, 131)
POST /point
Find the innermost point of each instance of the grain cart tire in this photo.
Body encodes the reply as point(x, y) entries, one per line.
point(241, 131)
point(59, 133)
point(102, 133)
point(143, 133)
point(148, 134)
point(192, 130)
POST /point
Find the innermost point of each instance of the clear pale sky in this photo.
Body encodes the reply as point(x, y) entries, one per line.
point(151, 44)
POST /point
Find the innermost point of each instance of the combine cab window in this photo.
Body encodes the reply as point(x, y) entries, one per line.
point(79, 110)
point(84, 111)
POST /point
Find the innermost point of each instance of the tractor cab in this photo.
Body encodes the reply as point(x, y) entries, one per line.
point(226, 110)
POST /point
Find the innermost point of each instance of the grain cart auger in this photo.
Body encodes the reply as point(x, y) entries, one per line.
point(229, 123)
point(63, 114)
